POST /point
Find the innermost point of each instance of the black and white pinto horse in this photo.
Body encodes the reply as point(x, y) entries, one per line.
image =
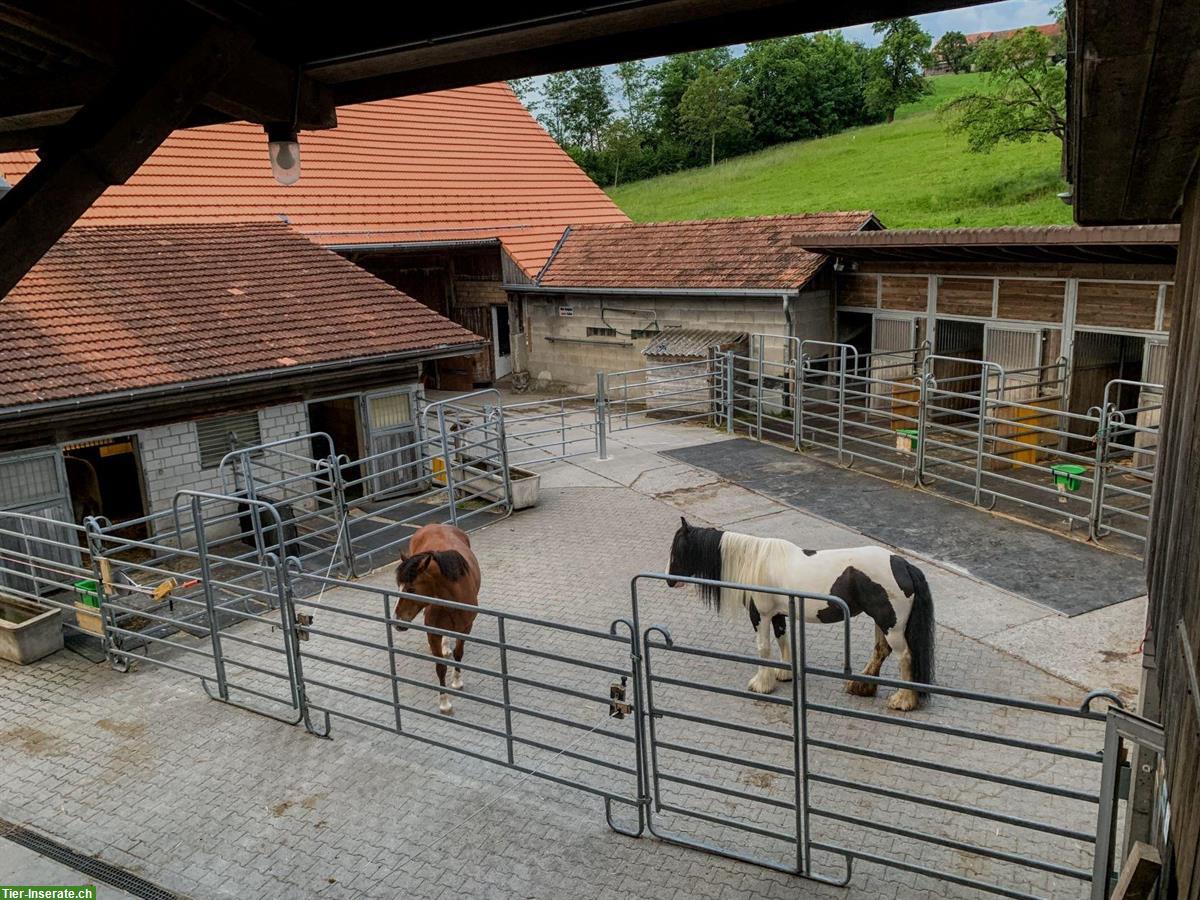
point(871, 580)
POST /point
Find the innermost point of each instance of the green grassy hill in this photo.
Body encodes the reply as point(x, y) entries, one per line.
point(911, 173)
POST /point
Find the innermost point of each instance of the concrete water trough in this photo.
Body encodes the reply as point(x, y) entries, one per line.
point(28, 630)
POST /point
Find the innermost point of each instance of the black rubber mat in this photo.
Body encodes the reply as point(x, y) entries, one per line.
point(1064, 574)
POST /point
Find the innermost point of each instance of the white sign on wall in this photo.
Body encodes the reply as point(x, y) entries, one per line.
point(566, 310)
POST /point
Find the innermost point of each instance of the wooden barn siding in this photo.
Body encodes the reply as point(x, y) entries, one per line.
point(904, 292)
point(1110, 305)
point(1019, 269)
point(858, 290)
point(1027, 300)
point(1173, 565)
point(964, 296)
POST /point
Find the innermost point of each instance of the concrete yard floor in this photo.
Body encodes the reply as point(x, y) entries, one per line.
point(1068, 575)
point(211, 801)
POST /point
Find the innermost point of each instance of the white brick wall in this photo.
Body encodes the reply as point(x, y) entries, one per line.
point(171, 454)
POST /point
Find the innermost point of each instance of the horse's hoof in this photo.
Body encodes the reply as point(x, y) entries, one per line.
point(861, 688)
point(456, 682)
point(903, 701)
point(761, 686)
point(783, 674)
point(444, 706)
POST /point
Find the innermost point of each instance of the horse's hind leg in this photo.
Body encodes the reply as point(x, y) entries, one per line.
point(881, 652)
point(779, 626)
point(437, 646)
point(456, 681)
point(904, 699)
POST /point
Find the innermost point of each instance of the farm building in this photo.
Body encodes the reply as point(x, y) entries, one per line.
point(133, 357)
point(1077, 306)
point(444, 195)
point(609, 291)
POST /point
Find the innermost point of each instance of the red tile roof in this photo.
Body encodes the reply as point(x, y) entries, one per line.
point(735, 254)
point(456, 164)
point(1050, 29)
point(120, 308)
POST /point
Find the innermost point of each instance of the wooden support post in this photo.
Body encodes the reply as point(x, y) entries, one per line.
point(1138, 874)
point(106, 142)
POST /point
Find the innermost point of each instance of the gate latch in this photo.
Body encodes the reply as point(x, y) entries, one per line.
point(617, 707)
point(303, 620)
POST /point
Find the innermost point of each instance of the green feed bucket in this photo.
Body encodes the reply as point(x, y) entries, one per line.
point(907, 439)
point(89, 592)
point(1066, 476)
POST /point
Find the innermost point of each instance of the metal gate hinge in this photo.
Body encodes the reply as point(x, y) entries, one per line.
point(303, 620)
point(617, 707)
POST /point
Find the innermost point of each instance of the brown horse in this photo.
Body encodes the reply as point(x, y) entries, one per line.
point(439, 563)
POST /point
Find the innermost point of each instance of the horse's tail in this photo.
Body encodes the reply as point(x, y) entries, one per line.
point(919, 630)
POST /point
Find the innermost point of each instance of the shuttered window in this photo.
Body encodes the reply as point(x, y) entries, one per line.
point(219, 435)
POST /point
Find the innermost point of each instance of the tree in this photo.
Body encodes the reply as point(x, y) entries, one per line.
point(897, 66)
point(802, 87)
point(1025, 100)
point(674, 75)
point(526, 92)
point(635, 83)
point(711, 108)
point(553, 112)
point(953, 51)
point(588, 108)
point(622, 145)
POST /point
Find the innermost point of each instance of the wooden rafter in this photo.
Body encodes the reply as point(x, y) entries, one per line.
point(106, 142)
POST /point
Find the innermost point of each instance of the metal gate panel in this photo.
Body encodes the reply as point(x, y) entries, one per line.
point(34, 482)
point(391, 424)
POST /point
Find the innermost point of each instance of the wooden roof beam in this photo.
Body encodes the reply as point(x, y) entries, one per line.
point(258, 88)
point(106, 142)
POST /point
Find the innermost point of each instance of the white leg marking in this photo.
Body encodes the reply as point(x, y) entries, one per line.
point(444, 706)
point(447, 646)
point(903, 699)
point(456, 680)
point(763, 681)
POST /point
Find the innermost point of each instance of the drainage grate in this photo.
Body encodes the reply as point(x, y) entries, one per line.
point(101, 871)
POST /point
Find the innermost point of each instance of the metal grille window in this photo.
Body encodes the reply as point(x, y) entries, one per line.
point(29, 478)
point(391, 411)
point(217, 436)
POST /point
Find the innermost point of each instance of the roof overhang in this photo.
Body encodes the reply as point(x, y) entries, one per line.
point(517, 288)
point(247, 380)
point(1133, 108)
point(1152, 244)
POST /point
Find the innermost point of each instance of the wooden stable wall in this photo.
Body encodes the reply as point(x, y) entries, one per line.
point(461, 283)
point(1173, 563)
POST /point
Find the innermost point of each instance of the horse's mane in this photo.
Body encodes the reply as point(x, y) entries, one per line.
point(453, 565)
point(701, 556)
point(745, 559)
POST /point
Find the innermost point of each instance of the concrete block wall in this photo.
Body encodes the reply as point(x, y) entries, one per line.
point(171, 454)
point(570, 362)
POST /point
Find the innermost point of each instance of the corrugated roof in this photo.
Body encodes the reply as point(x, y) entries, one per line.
point(460, 163)
point(121, 308)
point(755, 253)
point(691, 342)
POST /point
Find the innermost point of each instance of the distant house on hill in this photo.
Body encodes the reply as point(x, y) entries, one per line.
point(445, 196)
point(1050, 30)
